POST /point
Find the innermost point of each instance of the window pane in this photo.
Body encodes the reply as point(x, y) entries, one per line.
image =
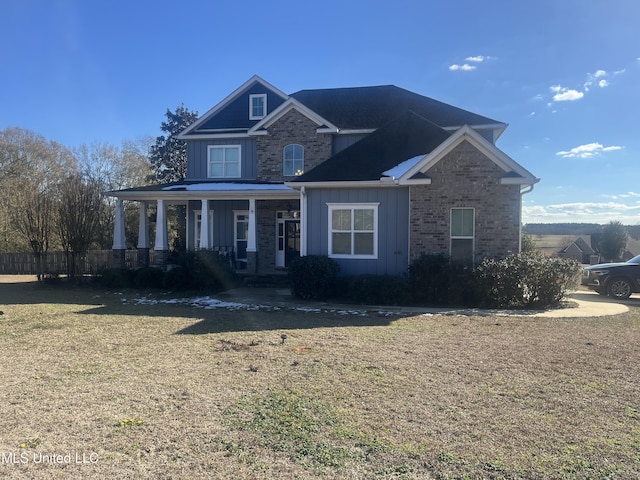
point(232, 170)
point(288, 152)
point(462, 222)
point(462, 250)
point(216, 169)
point(341, 220)
point(363, 243)
point(288, 167)
point(257, 106)
point(241, 230)
point(341, 244)
point(363, 219)
point(217, 154)
point(232, 154)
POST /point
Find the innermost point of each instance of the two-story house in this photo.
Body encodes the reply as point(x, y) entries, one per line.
point(371, 176)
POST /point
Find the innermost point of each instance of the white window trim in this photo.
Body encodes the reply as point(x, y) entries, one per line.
point(294, 174)
point(211, 147)
point(471, 237)
point(264, 103)
point(353, 206)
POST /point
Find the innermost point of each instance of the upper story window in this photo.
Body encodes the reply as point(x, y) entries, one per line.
point(223, 161)
point(257, 106)
point(353, 230)
point(293, 160)
point(462, 234)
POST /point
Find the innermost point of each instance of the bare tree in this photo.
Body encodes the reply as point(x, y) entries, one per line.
point(34, 221)
point(115, 168)
point(30, 167)
point(80, 205)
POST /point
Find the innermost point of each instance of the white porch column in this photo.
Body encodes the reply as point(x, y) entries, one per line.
point(204, 225)
point(143, 227)
point(119, 242)
point(162, 241)
point(251, 241)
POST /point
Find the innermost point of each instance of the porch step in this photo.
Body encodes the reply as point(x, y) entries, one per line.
point(266, 281)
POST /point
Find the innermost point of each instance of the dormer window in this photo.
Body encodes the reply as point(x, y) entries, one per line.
point(257, 106)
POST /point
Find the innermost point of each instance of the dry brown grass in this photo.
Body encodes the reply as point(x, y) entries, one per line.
point(220, 396)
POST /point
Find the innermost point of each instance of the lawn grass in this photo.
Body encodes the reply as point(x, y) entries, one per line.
point(171, 391)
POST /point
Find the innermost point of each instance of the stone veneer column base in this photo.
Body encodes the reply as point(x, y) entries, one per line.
point(143, 257)
point(119, 258)
point(252, 262)
point(162, 258)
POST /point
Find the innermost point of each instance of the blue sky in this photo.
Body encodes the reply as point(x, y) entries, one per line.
point(564, 74)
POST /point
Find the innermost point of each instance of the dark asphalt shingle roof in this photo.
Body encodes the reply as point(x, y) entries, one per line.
point(372, 107)
point(401, 139)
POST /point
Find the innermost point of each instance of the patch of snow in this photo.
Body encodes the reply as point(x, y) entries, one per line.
point(402, 168)
point(225, 187)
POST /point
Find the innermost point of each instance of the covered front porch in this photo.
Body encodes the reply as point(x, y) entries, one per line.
point(260, 226)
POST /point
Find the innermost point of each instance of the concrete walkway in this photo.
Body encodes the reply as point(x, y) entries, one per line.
point(587, 304)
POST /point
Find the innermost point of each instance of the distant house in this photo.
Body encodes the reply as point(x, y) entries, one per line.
point(370, 176)
point(580, 250)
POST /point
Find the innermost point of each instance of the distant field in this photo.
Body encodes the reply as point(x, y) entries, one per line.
point(136, 389)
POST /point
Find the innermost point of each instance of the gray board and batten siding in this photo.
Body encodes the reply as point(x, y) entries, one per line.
point(235, 115)
point(393, 218)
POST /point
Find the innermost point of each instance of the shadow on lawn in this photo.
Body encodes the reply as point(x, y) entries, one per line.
point(238, 321)
point(250, 314)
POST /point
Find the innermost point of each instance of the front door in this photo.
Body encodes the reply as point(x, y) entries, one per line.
point(291, 240)
point(241, 237)
point(287, 237)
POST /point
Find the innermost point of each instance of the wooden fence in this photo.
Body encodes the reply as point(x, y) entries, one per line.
point(56, 262)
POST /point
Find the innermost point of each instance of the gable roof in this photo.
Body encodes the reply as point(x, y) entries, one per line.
point(515, 174)
point(334, 109)
point(223, 118)
point(401, 139)
point(371, 107)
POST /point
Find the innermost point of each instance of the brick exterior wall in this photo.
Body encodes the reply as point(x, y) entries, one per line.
point(266, 241)
point(465, 178)
point(293, 127)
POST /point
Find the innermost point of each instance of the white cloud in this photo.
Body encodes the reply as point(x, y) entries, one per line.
point(563, 94)
point(587, 151)
point(592, 78)
point(587, 212)
point(478, 58)
point(623, 195)
point(618, 72)
point(466, 67)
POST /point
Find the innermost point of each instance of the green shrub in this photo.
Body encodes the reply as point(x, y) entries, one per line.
point(378, 289)
point(149, 277)
point(177, 277)
point(208, 270)
point(526, 280)
point(436, 280)
point(313, 277)
point(116, 278)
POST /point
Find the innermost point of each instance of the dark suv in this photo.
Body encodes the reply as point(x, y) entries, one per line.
point(618, 280)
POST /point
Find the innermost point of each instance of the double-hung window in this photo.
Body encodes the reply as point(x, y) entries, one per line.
point(224, 161)
point(257, 106)
point(462, 234)
point(293, 160)
point(353, 230)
